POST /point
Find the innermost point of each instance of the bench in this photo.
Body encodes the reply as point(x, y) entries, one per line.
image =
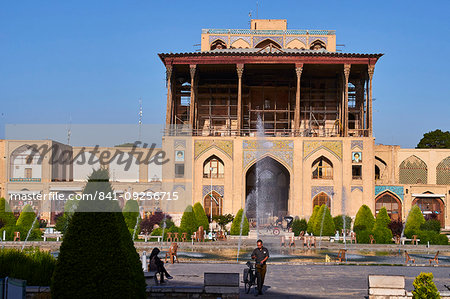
point(386, 286)
point(56, 236)
point(146, 237)
point(221, 283)
point(149, 276)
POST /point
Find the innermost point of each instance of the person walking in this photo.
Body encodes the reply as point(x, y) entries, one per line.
point(157, 265)
point(260, 255)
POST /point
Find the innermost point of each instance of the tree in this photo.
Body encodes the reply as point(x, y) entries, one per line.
point(339, 222)
point(435, 139)
point(6, 215)
point(62, 221)
point(364, 219)
point(223, 220)
point(147, 224)
point(97, 257)
point(200, 216)
point(323, 224)
point(424, 287)
point(311, 220)
point(131, 213)
point(414, 221)
point(381, 231)
point(188, 223)
point(26, 218)
point(236, 225)
point(298, 226)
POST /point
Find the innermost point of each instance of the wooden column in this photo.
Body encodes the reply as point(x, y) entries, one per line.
point(360, 102)
point(345, 110)
point(169, 108)
point(192, 69)
point(298, 71)
point(240, 71)
point(370, 71)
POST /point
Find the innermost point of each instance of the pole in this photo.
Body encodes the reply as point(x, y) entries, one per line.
point(210, 174)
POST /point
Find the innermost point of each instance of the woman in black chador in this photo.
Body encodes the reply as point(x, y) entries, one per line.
point(157, 265)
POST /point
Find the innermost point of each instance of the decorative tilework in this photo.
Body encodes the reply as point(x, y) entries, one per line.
point(397, 190)
point(258, 39)
point(175, 187)
point(311, 39)
point(225, 146)
point(302, 39)
point(248, 39)
point(357, 143)
point(207, 189)
point(255, 149)
point(326, 189)
point(310, 147)
point(212, 38)
point(360, 188)
point(179, 143)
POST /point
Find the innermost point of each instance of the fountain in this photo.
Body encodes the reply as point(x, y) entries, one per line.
point(29, 231)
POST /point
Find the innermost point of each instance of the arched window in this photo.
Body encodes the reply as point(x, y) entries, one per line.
point(317, 45)
point(268, 42)
point(413, 171)
point(213, 168)
point(432, 208)
point(214, 201)
point(322, 199)
point(391, 203)
point(443, 172)
point(218, 44)
point(322, 168)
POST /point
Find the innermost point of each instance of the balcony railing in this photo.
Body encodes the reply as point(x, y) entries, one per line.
point(328, 132)
point(25, 179)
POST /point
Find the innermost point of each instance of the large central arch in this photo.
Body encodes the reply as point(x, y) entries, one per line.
point(267, 190)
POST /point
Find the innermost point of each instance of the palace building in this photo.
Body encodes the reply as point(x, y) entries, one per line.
point(271, 109)
point(283, 111)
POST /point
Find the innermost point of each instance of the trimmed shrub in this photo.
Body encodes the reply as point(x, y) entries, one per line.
point(97, 251)
point(433, 237)
point(200, 216)
point(339, 222)
point(382, 235)
point(6, 215)
point(414, 221)
point(431, 225)
point(36, 267)
point(324, 216)
point(188, 223)
point(364, 219)
point(299, 225)
point(131, 213)
point(26, 218)
point(424, 287)
point(312, 219)
point(236, 224)
point(363, 236)
point(383, 219)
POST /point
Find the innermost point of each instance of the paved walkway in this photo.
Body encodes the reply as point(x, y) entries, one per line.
point(309, 281)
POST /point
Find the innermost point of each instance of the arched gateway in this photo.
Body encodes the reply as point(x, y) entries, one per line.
point(267, 190)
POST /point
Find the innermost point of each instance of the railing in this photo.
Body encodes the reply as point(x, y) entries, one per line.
point(213, 176)
point(269, 32)
point(185, 130)
point(25, 179)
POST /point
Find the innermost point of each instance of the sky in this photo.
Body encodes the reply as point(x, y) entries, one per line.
point(89, 62)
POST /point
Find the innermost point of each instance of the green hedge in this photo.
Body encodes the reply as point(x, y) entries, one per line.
point(381, 231)
point(312, 219)
point(236, 224)
point(324, 217)
point(188, 223)
point(36, 267)
point(364, 219)
point(414, 221)
point(339, 222)
point(200, 216)
point(299, 225)
point(6, 215)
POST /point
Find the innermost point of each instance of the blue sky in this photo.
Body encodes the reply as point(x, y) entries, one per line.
point(91, 61)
